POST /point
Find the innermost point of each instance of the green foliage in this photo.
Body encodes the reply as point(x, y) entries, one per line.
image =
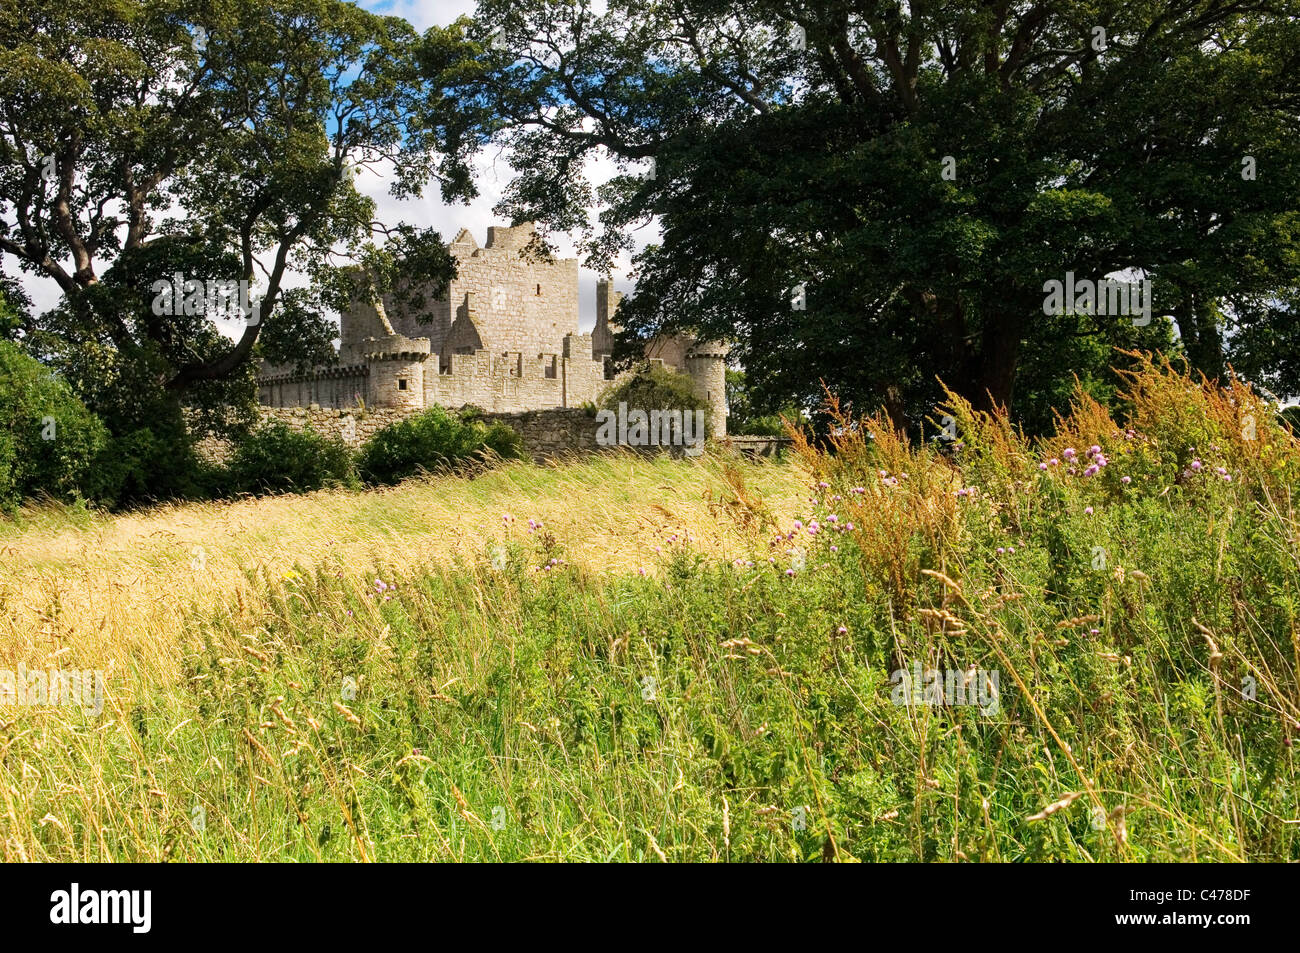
point(743, 418)
point(653, 387)
point(277, 458)
point(920, 173)
point(248, 118)
point(429, 440)
point(48, 439)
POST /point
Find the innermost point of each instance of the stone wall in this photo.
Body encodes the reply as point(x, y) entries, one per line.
point(544, 433)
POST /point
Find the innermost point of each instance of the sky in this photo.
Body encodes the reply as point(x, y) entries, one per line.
point(428, 211)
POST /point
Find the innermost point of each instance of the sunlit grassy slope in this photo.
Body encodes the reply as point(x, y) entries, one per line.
point(690, 660)
point(114, 589)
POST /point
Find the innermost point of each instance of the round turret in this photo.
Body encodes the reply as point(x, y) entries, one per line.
point(396, 371)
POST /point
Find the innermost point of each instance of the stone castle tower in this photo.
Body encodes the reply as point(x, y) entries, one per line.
point(503, 338)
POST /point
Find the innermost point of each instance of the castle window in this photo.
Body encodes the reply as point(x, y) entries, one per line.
point(539, 289)
point(401, 383)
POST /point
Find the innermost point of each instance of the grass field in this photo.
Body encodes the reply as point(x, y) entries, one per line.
point(688, 660)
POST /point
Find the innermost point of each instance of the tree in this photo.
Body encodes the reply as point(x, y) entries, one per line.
point(230, 127)
point(911, 175)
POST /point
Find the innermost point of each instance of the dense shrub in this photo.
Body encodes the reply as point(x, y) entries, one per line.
point(48, 439)
point(653, 387)
point(425, 441)
point(275, 458)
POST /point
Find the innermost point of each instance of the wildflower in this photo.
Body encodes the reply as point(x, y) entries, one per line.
point(1042, 466)
point(1001, 550)
point(842, 631)
point(1069, 453)
point(823, 484)
point(831, 518)
point(798, 524)
point(1054, 462)
point(1092, 470)
point(1094, 450)
point(848, 526)
point(1196, 466)
point(1125, 479)
point(835, 549)
point(789, 572)
point(1087, 510)
point(1011, 550)
point(1095, 631)
point(1227, 478)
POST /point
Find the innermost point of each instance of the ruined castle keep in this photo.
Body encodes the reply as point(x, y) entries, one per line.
point(504, 339)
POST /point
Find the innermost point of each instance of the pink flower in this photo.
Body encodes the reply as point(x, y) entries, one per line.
point(1054, 462)
point(842, 630)
point(1069, 453)
point(1196, 466)
point(1042, 466)
point(1092, 470)
point(1087, 510)
point(1094, 450)
point(1125, 479)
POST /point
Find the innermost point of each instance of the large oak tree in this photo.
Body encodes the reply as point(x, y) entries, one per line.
point(807, 144)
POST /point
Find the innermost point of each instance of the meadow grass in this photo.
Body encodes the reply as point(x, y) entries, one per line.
point(690, 660)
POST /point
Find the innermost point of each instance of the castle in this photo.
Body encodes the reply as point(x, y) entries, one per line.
point(504, 339)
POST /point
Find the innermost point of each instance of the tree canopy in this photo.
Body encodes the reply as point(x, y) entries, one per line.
point(914, 173)
point(214, 139)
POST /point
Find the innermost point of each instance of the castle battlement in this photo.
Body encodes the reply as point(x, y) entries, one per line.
point(504, 337)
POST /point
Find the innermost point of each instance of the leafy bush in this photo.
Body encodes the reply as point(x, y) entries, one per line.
point(48, 439)
point(654, 387)
point(428, 440)
point(275, 458)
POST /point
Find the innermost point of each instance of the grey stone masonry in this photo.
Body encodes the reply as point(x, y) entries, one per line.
point(503, 338)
